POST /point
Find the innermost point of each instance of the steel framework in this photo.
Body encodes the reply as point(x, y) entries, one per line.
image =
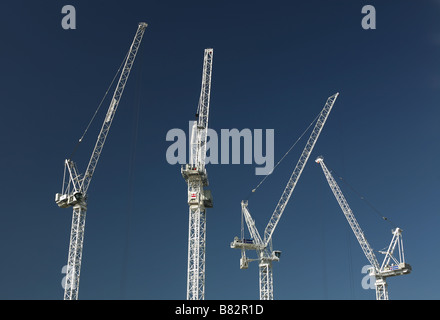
point(263, 247)
point(75, 186)
point(199, 199)
point(391, 266)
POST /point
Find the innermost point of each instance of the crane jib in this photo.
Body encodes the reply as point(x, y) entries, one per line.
point(279, 209)
point(113, 105)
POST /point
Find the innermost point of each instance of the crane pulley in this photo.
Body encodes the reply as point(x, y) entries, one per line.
point(76, 185)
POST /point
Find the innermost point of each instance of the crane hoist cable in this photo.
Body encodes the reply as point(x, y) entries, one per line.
point(131, 175)
point(363, 198)
point(282, 158)
point(99, 106)
point(350, 264)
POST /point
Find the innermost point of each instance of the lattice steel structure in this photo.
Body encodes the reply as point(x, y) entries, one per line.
point(391, 265)
point(263, 247)
point(199, 199)
point(75, 186)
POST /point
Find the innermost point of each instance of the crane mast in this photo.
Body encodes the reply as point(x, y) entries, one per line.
point(75, 185)
point(266, 255)
point(196, 178)
point(391, 266)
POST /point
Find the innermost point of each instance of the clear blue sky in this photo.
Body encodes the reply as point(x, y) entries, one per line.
point(275, 64)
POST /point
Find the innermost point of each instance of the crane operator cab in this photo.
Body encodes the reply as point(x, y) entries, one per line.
point(68, 200)
point(204, 197)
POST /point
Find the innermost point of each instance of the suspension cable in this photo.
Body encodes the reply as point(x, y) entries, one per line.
point(282, 158)
point(131, 175)
point(97, 109)
point(363, 198)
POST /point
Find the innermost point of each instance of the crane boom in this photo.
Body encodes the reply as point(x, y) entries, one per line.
point(359, 234)
point(75, 186)
point(279, 209)
point(113, 106)
point(203, 108)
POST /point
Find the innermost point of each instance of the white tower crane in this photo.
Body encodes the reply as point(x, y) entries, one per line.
point(391, 265)
point(75, 185)
point(199, 199)
point(263, 247)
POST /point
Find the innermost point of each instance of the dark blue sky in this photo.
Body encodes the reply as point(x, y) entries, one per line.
point(275, 64)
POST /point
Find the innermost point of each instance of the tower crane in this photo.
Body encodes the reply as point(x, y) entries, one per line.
point(391, 265)
point(75, 185)
point(263, 246)
point(199, 199)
